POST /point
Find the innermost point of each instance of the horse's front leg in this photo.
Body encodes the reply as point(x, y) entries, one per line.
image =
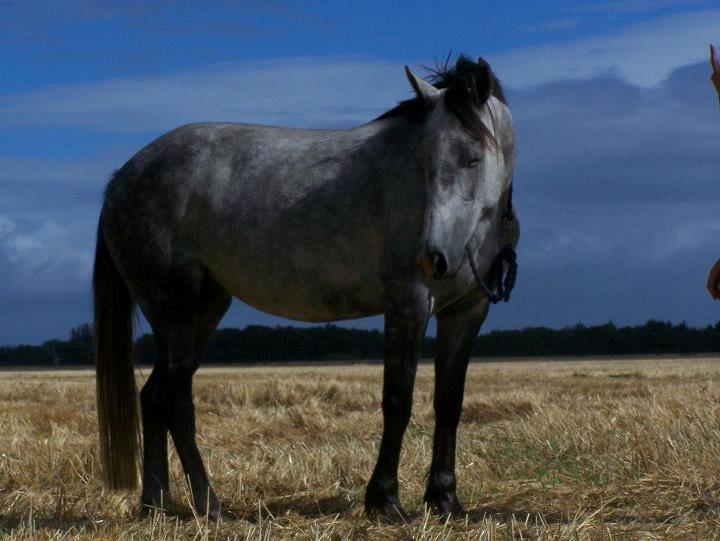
point(457, 328)
point(405, 324)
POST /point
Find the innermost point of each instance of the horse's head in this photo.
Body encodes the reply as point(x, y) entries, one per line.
point(467, 155)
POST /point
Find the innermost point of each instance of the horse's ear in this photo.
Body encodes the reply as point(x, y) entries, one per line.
point(484, 81)
point(424, 90)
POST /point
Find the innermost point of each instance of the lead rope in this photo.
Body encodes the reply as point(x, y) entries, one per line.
point(496, 286)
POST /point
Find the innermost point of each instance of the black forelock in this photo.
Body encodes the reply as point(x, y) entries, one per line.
point(443, 75)
point(458, 82)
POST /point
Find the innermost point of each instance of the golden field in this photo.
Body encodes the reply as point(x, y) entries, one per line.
point(572, 449)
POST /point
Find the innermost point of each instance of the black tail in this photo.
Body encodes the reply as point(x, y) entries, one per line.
point(116, 393)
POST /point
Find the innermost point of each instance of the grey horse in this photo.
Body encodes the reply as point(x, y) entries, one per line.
point(395, 217)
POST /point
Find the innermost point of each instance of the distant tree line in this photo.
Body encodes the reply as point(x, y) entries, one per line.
point(330, 342)
point(77, 350)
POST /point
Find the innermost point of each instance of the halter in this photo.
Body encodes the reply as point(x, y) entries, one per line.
point(499, 282)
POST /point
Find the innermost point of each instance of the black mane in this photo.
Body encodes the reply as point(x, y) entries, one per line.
point(456, 80)
point(413, 109)
point(444, 76)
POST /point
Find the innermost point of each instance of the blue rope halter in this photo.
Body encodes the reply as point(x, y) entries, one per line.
point(499, 282)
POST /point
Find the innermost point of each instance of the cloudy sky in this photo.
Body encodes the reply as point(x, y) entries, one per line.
point(618, 182)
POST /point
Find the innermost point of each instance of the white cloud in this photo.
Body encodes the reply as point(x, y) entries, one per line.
point(555, 26)
point(300, 92)
point(91, 171)
point(39, 257)
point(644, 54)
point(6, 226)
point(343, 91)
point(686, 234)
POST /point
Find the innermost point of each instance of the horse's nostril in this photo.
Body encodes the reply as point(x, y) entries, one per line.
point(440, 265)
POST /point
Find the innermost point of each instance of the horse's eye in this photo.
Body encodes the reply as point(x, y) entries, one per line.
point(472, 163)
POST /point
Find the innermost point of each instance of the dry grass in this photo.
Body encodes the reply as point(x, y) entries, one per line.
point(587, 449)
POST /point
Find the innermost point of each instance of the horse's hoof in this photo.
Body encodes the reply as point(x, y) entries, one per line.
point(446, 505)
point(211, 510)
point(388, 510)
point(150, 506)
point(216, 514)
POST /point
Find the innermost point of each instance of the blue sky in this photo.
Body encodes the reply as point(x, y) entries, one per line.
point(619, 132)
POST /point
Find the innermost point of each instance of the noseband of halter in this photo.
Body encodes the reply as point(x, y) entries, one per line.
point(500, 281)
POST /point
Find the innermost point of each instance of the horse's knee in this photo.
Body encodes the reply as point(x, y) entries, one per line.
point(153, 397)
point(180, 374)
point(397, 408)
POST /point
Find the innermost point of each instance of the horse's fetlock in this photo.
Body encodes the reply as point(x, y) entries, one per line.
point(442, 481)
point(382, 484)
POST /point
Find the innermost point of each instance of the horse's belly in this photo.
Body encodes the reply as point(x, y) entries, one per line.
point(305, 302)
point(314, 287)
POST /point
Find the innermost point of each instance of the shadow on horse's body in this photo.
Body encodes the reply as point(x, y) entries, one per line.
point(314, 225)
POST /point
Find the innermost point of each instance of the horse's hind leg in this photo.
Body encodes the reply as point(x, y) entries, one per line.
point(183, 316)
point(213, 303)
point(170, 306)
point(156, 492)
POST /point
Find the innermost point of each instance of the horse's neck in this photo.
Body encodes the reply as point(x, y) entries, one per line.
point(388, 152)
point(374, 178)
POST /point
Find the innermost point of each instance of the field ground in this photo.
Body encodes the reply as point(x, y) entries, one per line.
point(580, 449)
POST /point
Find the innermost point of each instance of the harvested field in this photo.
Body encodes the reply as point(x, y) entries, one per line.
point(587, 449)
